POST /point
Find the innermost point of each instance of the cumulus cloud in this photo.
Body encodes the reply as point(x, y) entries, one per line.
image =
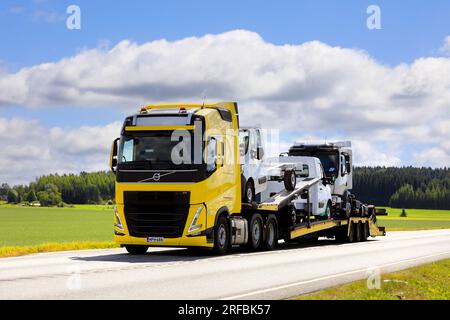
point(310, 87)
point(31, 150)
point(446, 46)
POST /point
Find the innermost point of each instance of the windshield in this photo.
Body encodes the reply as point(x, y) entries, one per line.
point(155, 147)
point(329, 159)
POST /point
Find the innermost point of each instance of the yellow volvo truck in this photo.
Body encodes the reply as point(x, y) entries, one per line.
point(179, 183)
point(160, 202)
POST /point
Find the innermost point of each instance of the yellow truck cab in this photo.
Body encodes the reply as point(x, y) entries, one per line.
point(177, 176)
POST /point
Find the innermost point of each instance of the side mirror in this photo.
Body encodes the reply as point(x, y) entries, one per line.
point(113, 156)
point(259, 153)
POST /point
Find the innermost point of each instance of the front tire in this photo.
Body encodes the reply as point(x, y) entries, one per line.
point(221, 236)
point(136, 250)
point(290, 180)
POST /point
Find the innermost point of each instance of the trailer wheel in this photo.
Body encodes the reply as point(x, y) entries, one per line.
point(290, 180)
point(221, 236)
point(351, 236)
point(249, 192)
point(357, 228)
point(365, 231)
point(136, 249)
point(255, 234)
point(271, 233)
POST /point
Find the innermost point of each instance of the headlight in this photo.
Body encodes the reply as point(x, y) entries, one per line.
point(117, 223)
point(194, 226)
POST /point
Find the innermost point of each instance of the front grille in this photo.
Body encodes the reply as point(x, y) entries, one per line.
point(156, 213)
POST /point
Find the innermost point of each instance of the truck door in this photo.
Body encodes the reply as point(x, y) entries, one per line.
point(257, 156)
point(324, 194)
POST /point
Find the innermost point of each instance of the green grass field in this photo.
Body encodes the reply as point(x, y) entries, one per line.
point(417, 219)
point(427, 282)
point(87, 226)
point(21, 226)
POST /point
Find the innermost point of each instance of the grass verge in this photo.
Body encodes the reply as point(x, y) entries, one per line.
point(14, 251)
point(427, 282)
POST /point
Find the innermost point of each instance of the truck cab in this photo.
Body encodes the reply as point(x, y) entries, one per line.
point(336, 159)
point(252, 157)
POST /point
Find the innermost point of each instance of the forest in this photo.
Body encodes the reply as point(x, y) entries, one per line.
point(406, 187)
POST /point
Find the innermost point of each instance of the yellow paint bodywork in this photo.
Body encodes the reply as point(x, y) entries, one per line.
point(222, 189)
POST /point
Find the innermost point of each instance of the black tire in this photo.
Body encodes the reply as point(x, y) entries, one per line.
point(255, 232)
point(222, 236)
point(249, 193)
point(271, 233)
point(290, 180)
point(365, 231)
point(351, 236)
point(357, 227)
point(136, 249)
point(347, 205)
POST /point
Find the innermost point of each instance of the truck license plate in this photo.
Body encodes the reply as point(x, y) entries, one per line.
point(155, 239)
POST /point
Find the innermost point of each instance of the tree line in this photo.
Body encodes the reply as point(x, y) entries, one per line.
point(406, 187)
point(54, 189)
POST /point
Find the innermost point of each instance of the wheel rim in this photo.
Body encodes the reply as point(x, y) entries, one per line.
point(256, 233)
point(249, 194)
point(328, 212)
point(222, 236)
point(293, 179)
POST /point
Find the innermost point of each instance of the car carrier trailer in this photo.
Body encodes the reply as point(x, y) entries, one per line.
point(196, 201)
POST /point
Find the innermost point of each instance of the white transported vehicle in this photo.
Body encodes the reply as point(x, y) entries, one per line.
point(309, 175)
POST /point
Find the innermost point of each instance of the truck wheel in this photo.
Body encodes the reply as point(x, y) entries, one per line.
point(255, 234)
point(249, 192)
point(365, 231)
point(290, 180)
point(271, 234)
point(357, 228)
point(221, 236)
point(351, 236)
point(136, 250)
point(347, 205)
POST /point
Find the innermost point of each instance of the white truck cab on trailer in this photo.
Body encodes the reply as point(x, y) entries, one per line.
point(336, 159)
point(252, 156)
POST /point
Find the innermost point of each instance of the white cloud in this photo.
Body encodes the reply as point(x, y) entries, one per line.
point(311, 87)
point(433, 157)
point(30, 150)
point(446, 46)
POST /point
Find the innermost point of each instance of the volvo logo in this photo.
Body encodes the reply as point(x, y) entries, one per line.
point(156, 176)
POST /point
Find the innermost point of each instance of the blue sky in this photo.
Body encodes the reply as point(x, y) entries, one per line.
point(34, 32)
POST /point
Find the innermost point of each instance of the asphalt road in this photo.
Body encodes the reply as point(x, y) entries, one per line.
point(181, 274)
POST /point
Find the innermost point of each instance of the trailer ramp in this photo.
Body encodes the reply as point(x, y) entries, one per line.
point(283, 198)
